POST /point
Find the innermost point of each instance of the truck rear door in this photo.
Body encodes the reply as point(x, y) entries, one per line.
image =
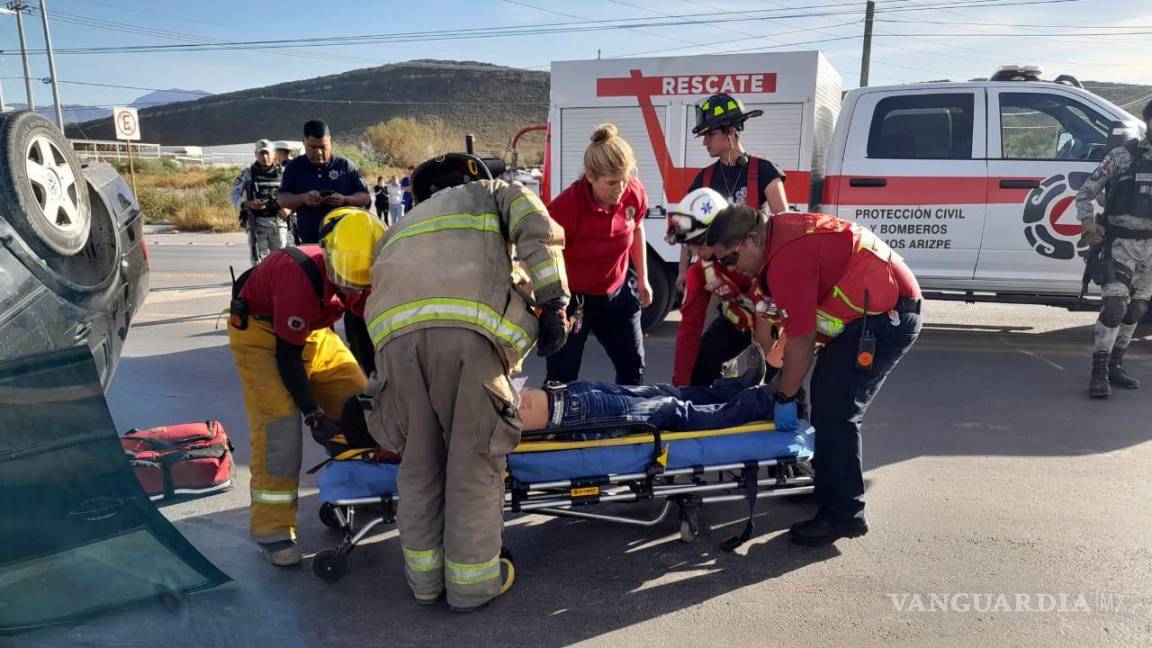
point(1043, 143)
point(914, 171)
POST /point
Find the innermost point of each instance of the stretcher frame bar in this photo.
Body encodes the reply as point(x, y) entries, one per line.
point(604, 517)
point(795, 486)
point(691, 470)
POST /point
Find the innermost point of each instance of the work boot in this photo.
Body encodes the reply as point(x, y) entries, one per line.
point(1116, 374)
point(825, 528)
point(285, 553)
point(757, 367)
point(1098, 386)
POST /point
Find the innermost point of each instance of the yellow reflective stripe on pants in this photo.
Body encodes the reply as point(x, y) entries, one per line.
point(522, 206)
point(424, 560)
point(472, 573)
point(273, 497)
point(545, 274)
point(458, 310)
point(480, 222)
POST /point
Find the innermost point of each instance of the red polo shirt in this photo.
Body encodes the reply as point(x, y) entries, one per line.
point(279, 289)
point(597, 239)
point(803, 273)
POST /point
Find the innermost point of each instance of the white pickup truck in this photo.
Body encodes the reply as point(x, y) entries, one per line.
point(972, 182)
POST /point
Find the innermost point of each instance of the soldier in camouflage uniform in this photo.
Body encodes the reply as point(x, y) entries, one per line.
point(1126, 269)
point(254, 194)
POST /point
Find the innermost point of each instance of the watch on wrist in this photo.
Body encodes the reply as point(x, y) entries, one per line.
point(781, 398)
point(313, 417)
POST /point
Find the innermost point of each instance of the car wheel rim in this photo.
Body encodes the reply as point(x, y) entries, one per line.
point(54, 186)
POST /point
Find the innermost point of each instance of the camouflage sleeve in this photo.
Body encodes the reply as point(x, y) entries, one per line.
point(236, 197)
point(1096, 183)
point(539, 240)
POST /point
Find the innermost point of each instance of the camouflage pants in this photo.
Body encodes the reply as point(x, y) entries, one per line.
point(1132, 263)
point(265, 236)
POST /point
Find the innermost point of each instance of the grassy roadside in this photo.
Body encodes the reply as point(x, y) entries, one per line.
point(192, 200)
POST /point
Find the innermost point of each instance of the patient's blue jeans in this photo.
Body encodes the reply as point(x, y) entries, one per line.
point(726, 403)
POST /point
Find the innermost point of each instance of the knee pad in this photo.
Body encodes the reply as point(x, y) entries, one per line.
point(1112, 314)
point(1136, 311)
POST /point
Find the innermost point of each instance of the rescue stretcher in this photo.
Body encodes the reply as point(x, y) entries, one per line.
point(555, 472)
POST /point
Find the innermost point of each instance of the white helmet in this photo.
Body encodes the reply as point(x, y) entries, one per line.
point(689, 220)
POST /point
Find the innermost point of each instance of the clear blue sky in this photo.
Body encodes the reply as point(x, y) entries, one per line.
point(940, 49)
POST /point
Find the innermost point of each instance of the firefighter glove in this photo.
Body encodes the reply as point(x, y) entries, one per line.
point(553, 328)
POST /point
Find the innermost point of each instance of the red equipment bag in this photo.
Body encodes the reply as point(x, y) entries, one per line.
point(185, 459)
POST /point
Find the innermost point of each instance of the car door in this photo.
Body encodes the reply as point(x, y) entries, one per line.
point(914, 172)
point(1043, 144)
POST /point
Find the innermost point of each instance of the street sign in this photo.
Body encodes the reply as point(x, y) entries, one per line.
point(127, 123)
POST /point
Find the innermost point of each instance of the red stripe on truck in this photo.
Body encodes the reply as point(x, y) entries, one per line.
point(922, 190)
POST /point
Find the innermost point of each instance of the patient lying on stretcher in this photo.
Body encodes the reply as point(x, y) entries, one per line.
point(728, 402)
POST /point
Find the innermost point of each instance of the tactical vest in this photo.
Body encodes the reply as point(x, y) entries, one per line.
point(752, 195)
point(1131, 194)
point(868, 285)
point(264, 184)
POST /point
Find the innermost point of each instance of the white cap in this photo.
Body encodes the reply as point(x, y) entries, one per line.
point(281, 145)
point(264, 145)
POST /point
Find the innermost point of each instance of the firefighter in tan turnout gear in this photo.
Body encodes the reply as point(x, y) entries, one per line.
point(449, 325)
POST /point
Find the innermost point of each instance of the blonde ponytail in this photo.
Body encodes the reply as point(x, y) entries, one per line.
point(609, 154)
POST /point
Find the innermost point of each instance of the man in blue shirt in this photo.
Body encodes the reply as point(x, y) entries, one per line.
point(318, 182)
point(406, 185)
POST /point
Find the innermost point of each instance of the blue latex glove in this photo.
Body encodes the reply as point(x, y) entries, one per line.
point(786, 416)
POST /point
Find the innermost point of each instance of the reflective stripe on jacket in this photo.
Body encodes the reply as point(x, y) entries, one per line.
point(449, 263)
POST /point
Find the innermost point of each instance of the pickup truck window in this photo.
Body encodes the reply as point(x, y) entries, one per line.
point(922, 127)
point(1041, 126)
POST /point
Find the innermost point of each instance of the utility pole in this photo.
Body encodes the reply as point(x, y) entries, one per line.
point(19, 7)
point(866, 59)
point(52, 69)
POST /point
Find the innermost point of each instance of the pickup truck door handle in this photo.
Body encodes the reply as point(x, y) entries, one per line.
point(1019, 184)
point(867, 182)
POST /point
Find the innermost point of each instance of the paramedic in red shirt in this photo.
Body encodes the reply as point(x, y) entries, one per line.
point(835, 282)
point(292, 364)
point(701, 354)
point(606, 258)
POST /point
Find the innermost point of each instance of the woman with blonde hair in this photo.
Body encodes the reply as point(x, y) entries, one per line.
point(605, 253)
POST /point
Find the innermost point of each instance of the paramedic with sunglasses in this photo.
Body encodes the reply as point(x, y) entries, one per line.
point(835, 282)
point(605, 252)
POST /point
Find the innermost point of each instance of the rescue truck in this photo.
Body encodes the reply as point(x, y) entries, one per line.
point(973, 183)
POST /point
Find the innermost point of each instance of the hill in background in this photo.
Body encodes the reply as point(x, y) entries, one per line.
point(489, 100)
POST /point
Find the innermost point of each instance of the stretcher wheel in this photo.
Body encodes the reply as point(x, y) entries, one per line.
point(330, 565)
point(328, 516)
point(688, 531)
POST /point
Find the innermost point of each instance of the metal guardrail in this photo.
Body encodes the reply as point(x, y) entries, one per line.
point(116, 150)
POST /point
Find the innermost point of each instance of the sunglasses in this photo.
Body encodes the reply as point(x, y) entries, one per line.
point(728, 260)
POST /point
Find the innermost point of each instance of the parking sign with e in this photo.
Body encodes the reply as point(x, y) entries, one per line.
point(127, 123)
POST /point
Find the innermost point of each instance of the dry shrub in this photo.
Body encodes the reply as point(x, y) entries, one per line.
point(400, 141)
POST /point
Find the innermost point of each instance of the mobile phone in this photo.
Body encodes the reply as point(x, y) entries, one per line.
point(326, 192)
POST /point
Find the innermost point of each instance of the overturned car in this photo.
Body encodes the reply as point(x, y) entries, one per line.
point(73, 263)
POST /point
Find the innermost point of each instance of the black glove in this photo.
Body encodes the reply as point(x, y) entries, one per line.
point(323, 429)
point(553, 329)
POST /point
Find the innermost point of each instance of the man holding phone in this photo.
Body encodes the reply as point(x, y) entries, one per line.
point(319, 181)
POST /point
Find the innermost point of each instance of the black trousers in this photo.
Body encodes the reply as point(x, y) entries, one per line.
point(721, 342)
point(841, 394)
point(615, 321)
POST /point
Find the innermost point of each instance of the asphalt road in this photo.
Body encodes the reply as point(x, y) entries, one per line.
point(994, 484)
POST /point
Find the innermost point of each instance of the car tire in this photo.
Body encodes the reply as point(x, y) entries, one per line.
point(43, 195)
point(663, 288)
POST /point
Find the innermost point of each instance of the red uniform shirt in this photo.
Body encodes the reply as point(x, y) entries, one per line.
point(803, 272)
point(597, 239)
point(279, 289)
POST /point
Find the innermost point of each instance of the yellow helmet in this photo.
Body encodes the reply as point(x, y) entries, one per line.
point(349, 236)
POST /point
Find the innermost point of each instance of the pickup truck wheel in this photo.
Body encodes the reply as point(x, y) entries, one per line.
point(663, 290)
point(43, 195)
